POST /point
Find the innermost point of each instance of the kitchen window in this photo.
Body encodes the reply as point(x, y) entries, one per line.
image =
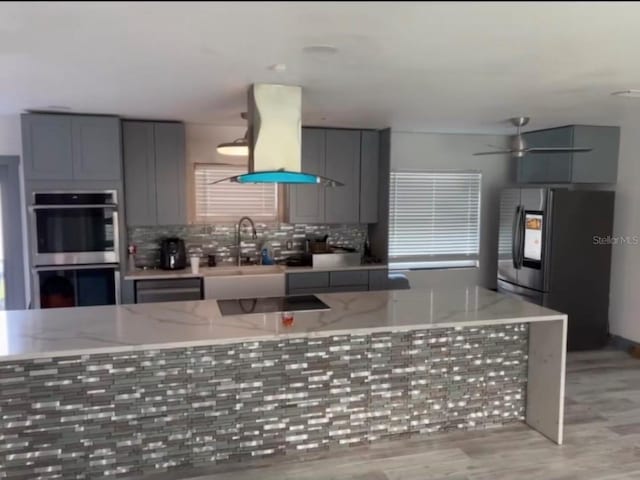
point(227, 201)
point(434, 219)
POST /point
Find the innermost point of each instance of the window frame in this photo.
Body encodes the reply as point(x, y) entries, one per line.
point(436, 261)
point(227, 219)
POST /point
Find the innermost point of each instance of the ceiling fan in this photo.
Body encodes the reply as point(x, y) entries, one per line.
point(519, 145)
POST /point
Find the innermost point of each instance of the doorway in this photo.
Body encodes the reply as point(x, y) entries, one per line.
point(12, 285)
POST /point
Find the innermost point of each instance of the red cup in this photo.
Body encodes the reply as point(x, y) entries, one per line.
point(287, 319)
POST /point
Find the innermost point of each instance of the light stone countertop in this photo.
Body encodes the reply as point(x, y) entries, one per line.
point(157, 274)
point(67, 331)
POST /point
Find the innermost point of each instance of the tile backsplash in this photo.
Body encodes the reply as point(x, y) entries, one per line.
point(220, 240)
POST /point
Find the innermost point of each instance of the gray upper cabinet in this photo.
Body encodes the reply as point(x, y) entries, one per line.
point(96, 148)
point(547, 167)
point(71, 147)
point(139, 172)
point(154, 173)
point(342, 204)
point(47, 146)
point(352, 158)
point(170, 173)
point(369, 167)
point(600, 165)
point(307, 202)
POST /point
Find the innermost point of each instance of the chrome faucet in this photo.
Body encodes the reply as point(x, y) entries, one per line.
point(254, 235)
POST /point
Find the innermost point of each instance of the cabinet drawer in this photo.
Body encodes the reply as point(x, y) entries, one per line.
point(309, 291)
point(307, 280)
point(177, 294)
point(168, 283)
point(349, 277)
point(173, 290)
point(349, 288)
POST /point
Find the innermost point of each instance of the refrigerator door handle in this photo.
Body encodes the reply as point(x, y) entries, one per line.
point(515, 238)
point(521, 226)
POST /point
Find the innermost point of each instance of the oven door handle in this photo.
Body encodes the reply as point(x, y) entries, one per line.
point(84, 205)
point(93, 266)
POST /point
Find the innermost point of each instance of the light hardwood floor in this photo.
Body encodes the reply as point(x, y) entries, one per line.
point(602, 441)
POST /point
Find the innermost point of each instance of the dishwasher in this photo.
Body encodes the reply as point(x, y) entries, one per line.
point(173, 290)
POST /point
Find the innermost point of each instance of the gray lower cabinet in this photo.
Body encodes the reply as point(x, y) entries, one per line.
point(349, 278)
point(600, 165)
point(71, 147)
point(336, 281)
point(296, 281)
point(378, 279)
point(127, 292)
point(154, 173)
point(171, 290)
point(348, 156)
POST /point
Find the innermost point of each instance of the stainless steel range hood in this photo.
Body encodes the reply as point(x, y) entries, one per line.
point(274, 137)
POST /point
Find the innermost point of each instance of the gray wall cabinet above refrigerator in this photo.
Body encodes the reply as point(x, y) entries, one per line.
point(600, 165)
point(71, 147)
point(154, 173)
point(349, 156)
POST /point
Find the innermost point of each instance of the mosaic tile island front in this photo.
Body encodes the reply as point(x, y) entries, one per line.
point(103, 395)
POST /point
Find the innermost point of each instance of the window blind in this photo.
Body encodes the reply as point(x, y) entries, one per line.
point(434, 218)
point(229, 201)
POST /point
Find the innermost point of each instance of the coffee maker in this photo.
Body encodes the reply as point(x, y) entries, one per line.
point(173, 255)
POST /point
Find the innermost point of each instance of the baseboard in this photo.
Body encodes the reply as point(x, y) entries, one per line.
point(621, 343)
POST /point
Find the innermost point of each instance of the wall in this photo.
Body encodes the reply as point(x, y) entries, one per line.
point(624, 309)
point(10, 137)
point(435, 151)
point(11, 144)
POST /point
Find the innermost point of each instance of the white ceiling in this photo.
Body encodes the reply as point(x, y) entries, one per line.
point(415, 66)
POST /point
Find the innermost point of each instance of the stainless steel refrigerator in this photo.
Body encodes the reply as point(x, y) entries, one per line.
point(555, 250)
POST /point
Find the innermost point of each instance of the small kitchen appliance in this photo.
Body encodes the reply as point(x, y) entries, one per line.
point(173, 255)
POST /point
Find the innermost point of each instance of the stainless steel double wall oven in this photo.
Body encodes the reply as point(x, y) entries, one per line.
point(74, 249)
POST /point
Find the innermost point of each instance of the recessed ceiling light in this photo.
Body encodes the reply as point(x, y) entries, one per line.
point(278, 67)
point(627, 93)
point(320, 49)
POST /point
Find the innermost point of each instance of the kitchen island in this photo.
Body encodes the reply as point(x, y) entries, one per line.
point(137, 389)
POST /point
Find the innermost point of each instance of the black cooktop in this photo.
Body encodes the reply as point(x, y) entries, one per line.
point(296, 303)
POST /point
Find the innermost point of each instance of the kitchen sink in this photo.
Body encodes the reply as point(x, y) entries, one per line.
point(250, 281)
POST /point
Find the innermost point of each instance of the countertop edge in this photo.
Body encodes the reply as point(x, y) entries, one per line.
point(168, 274)
point(280, 336)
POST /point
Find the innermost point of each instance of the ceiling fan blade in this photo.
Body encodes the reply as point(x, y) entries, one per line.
point(496, 152)
point(557, 149)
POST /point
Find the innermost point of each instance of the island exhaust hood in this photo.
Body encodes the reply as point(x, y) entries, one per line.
point(274, 138)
